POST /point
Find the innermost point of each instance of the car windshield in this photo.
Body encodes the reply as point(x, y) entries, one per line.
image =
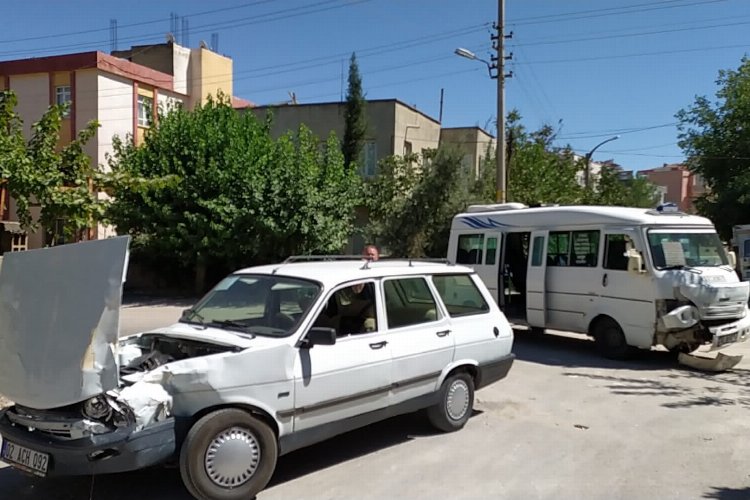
point(672, 249)
point(255, 304)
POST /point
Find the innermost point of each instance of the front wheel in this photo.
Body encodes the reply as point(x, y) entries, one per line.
point(456, 403)
point(610, 340)
point(228, 455)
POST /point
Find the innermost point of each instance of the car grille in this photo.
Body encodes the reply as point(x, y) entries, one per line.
point(52, 424)
point(720, 311)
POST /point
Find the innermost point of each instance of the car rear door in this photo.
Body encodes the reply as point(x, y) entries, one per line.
point(420, 336)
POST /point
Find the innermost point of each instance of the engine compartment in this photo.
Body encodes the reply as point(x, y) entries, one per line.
point(150, 351)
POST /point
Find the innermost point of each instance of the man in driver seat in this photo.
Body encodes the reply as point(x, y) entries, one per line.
point(358, 304)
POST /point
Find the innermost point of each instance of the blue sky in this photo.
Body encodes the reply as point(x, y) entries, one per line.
point(590, 68)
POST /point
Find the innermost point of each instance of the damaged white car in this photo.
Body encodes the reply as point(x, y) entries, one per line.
point(274, 358)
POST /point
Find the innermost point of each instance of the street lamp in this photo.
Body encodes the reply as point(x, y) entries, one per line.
point(472, 56)
point(588, 158)
point(500, 180)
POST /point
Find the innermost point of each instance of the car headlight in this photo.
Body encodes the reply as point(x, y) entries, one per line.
point(97, 408)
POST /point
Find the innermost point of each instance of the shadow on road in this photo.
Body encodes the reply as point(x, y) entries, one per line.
point(728, 493)
point(579, 351)
point(165, 483)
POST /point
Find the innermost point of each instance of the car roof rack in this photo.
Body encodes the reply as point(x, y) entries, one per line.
point(410, 260)
point(310, 258)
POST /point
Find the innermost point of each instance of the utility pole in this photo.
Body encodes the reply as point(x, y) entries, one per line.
point(499, 63)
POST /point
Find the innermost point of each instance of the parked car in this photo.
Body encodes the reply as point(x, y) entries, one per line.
point(272, 359)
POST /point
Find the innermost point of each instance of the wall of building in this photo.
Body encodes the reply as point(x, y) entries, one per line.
point(181, 68)
point(209, 73)
point(115, 112)
point(414, 130)
point(33, 97)
point(473, 142)
point(677, 181)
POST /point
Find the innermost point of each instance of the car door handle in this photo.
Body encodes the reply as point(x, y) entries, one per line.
point(378, 345)
point(604, 280)
point(442, 333)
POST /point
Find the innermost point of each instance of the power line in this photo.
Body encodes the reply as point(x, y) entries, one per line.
point(236, 23)
point(629, 35)
point(612, 11)
point(131, 25)
point(637, 54)
point(621, 131)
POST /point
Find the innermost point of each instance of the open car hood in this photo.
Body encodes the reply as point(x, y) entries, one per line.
point(59, 322)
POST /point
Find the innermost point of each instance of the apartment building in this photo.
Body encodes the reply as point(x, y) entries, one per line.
point(124, 92)
point(677, 184)
point(473, 142)
point(393, 127)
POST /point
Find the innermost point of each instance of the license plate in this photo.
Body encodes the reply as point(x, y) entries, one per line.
point(24, 458)
point(726, 339)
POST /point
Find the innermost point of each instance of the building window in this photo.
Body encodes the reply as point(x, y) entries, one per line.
point(369, 159)
point(145, 110)
point(62, 97)
point(408, 148)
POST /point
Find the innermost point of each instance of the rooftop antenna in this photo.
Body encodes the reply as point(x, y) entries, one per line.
point(215, 42)
point(112, 35)
point(185, 38)
point(173, 24)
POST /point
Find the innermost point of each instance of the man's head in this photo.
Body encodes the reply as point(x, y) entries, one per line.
point(371, 252)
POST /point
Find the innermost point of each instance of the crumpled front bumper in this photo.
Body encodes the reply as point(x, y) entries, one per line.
point(119, 451)
point(730, 333)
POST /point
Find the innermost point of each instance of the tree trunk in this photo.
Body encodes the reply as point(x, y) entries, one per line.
point(200, 276)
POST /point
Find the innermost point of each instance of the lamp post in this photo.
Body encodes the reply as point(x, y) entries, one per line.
point(500, 180)
point(588, 159)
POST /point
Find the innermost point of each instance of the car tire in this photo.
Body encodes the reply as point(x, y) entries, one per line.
point(227, 455)
point(610, 340)
point(455, 405)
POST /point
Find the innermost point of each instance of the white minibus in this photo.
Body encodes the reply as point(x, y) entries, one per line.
point(628, 277)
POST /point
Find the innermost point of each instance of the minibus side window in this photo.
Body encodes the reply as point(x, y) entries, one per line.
point(615, 247)
point(489, 258)
point(585, 251)
point(558, 249)
point(470, 248)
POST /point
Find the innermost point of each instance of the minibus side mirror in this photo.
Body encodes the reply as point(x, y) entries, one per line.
point(635, 261)
point(732, 259)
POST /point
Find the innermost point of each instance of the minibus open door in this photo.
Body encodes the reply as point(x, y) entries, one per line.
point(536, 290)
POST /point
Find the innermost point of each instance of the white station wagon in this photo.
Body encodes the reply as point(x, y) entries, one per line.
point(272, 359)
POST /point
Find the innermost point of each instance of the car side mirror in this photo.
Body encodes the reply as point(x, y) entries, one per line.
point(319, 335)
point(732, 259)
point(635, 261)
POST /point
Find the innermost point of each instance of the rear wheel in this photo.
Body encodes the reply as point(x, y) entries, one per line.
point(456, 402)
point(610, 340)
point(228, 455)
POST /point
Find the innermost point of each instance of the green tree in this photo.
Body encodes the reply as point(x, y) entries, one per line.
point(355, 122)
point(537, 171)
point(715, 137)
point(62, 182)
point(227, 195)
point(413, 199)
point(609, 189)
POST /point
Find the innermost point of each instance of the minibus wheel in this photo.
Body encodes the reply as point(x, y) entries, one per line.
point(609, 339)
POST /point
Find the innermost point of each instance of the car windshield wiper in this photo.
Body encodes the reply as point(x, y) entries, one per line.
point(232, 324)
point(192, 317)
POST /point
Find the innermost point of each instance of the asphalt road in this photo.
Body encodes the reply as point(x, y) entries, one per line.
point(564, 424)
